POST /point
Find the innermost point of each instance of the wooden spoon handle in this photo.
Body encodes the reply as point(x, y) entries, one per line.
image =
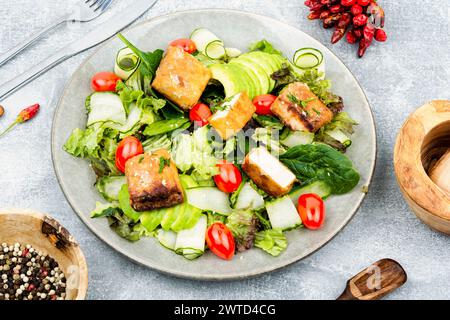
point(376, 281)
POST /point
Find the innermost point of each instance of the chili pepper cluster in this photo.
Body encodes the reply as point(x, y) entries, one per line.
point(363, 19)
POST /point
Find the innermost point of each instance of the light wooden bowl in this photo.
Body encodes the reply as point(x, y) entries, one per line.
point(422, 140)
point(46, 234)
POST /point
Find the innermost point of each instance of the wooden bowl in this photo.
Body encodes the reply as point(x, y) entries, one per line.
point(46, 234)
point(422, 140)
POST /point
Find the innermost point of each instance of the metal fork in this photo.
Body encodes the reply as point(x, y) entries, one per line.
point(85, 11)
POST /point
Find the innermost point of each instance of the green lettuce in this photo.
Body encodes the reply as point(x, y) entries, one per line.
point(243, 225)
point(194, 152)
point(272, 241)
point(157, 142)
point(265, 46)
point(337, 133)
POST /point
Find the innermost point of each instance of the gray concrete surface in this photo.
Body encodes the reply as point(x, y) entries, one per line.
point(412, 68)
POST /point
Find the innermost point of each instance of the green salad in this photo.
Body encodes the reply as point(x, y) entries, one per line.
point(202, 146)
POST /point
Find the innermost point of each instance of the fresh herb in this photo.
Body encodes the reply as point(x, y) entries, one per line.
point(319, 162)
point(272, 241)
point(316, 111)
point(141, 159)
point(163, 162)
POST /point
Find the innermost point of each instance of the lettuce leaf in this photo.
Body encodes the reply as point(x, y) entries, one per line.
point(265, 46)
point(272, 241)
point(243, 225)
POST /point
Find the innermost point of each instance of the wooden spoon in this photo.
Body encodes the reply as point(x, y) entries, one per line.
point(376, 281)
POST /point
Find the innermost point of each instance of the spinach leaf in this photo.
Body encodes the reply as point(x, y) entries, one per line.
point(149, 60)
point(164, 126)
point(319, 162)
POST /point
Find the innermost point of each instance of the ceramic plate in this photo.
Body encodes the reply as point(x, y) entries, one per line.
point(77, 179)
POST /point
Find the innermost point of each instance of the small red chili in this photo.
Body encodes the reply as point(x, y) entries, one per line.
point(348, 3)
point(364, 2)
point(360, 20)
point(356, 9)
point(24, 116)
point(351, 38)
point(336, 8)
point(380, 35)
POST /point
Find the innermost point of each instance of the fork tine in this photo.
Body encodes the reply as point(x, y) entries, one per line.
point(98, 5)
point(105, 5)
point(94, 3)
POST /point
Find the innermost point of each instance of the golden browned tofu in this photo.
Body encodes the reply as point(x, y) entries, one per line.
point(300, 109)
point(153, 181)
point(268, 173)
point(181, 78)
point(234, 116)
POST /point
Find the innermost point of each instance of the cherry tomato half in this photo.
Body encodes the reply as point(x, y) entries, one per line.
point(311, 210)
point(220, 240)
point(186, 44)
point(229, 178)
point(104, 81)
point(127, 149)
point(263, 103)
point(200, 114)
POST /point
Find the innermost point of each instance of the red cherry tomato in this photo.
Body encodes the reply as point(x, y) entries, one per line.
point(127, 149)
point(311, 210)
point(263, 103)
point(104, 81)
point(220, 240)
point(229, 178)
point(200, 114)
point(186, 44)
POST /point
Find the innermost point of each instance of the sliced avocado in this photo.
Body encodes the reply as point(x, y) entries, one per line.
point(230, 80)
point(257, 73)
point(264, 60)
point(246, 82)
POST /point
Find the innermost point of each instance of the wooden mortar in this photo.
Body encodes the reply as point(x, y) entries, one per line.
point(46, 234)
point(422, 141)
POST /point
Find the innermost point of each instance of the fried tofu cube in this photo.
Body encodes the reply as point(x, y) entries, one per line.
point(234, 116)
point(181, 78)
point(268, 173)
point(300, 109)
point(153, 181)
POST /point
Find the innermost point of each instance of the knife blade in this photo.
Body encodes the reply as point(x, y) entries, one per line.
point(102, 32)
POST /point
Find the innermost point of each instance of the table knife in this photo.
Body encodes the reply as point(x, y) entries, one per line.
point(101, 33)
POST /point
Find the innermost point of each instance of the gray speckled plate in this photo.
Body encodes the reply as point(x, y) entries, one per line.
point(241, 29)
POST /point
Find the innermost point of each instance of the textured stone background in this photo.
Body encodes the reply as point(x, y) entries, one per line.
point(412, 68)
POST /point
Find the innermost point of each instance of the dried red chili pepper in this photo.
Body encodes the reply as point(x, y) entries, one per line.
point(24, 116)
point(351, 38)
point(314, 15)
point(341, 27)
point(366, 41)
point(380, 35)
point(331, 20)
